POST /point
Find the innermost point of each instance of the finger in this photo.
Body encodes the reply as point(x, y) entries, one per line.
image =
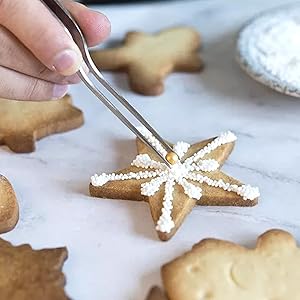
point(14, 85)
point(95, 26)
point(33, 24)
point(14, 55)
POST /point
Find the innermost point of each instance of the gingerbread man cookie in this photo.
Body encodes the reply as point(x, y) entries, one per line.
point(173, 192)
point(220, 270)
point(148, 59)
point(24, 122)
point(156, 293)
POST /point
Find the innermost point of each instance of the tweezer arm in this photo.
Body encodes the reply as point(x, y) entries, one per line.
point(73, 29)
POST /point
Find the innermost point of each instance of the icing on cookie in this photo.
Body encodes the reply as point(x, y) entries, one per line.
point(183, 173)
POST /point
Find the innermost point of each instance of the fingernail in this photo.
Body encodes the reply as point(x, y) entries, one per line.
point(75, 78)
point(67, 62)
point(81, 5)
point(59, 90)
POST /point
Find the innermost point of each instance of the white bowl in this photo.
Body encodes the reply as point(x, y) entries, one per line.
point(250, 37)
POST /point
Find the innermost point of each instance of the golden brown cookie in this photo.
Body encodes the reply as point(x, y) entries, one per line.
point(220, 270)
point(9, 209)
point(24, 122)
point(172, 193)
point(148, 59)
point(27, 274)
point(156, 293)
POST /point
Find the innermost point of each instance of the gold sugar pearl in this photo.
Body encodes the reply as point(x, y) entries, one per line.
point(172, 158)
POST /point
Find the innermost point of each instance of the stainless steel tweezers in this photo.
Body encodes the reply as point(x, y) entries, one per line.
point(71, 26)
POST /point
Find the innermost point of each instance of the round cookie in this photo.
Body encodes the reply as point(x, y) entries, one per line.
point(9, 209)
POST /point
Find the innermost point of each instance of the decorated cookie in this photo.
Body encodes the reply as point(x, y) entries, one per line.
point(173, 192)
point(9, 209)
point(156, 294)
point(24, 122)
point(27, 274)
point(148, 59)
point(219, 270)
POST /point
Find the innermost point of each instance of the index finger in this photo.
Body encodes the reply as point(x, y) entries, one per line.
point(94, 25)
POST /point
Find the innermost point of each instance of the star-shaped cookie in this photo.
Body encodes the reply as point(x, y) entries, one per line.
point(172, 193)
point(221, 270)
point(9, 209)
point(29, 274)
point(24, 122)
point(148, 59)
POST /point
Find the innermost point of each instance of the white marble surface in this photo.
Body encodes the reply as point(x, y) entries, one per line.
point(114, 252)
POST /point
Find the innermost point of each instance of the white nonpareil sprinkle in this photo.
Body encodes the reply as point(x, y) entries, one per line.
point(181, 173)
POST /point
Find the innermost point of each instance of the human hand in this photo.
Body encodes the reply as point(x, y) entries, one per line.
point(38, 59)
